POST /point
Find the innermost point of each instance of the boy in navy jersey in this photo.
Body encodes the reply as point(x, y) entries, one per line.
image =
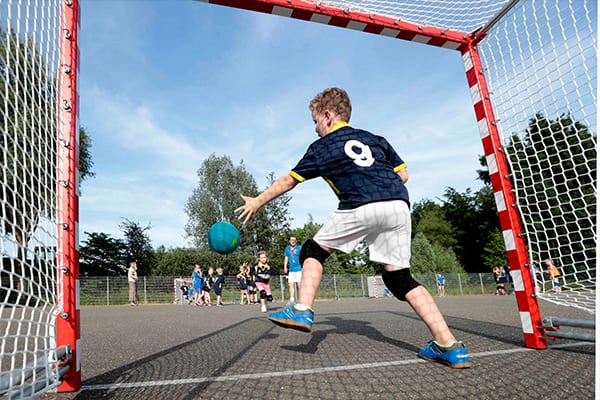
point(368, 177)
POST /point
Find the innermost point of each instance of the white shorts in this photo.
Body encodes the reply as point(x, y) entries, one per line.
point(294, 277)
point(385, 226)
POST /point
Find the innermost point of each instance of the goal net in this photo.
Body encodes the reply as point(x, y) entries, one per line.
point(530, 65)
point(541, 67)
point(36, 233)
point(531, 68)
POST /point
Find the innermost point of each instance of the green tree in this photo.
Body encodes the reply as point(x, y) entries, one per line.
point(138, 245)
point(215, 199)
point(423, 257)
point(179, 262)
point(445, 259)
point(101, 254)
point(29, 137)
point(430, 220)
point(474, 218)
point(86, 161)
point(494, 252)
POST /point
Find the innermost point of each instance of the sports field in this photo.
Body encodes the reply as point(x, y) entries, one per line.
point(359, 349)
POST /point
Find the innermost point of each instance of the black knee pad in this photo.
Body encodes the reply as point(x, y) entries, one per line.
point(399, 282)
point(263, 294)
point(311, 249)
point(269, 297)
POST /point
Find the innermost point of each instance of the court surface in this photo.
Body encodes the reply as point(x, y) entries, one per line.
point(359, 349)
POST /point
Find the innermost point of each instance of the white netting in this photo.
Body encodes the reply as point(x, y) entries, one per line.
point(29, 58)
point(540, 61)
point(458, 15)
point(541, 69)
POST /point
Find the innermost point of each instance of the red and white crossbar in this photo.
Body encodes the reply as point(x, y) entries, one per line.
point(345, 18)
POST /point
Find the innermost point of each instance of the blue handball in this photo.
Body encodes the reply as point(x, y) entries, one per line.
point(223, 237)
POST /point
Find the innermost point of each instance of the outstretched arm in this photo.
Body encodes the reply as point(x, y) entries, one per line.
point(253, 204)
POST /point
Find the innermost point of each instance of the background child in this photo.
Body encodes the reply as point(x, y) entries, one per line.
point(242, 278)
point(197, 281)
point(263, 277)
point(206, 286)
point(218, 285)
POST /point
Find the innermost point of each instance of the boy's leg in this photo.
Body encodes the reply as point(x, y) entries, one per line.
point(424, 305)
point(312, 273)
point(444, 348)
point(300, 315)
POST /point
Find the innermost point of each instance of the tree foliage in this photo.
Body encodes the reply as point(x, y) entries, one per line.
point(85, 155)
point(138, 245)
point(215, 199)
point(423, 256)
point(218, 195)
point(429, 219)
point(101, 254)
point(494, 252)
point(554, 171)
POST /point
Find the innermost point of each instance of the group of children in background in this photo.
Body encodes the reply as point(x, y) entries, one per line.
point(254, 283)
point(202, 284)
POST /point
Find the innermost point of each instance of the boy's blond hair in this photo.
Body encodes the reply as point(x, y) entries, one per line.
point(332, 99)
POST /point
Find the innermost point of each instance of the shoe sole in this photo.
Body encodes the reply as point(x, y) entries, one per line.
point(286, 323)
point(455, 366)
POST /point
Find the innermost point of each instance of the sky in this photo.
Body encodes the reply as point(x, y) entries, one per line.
point(165, 84)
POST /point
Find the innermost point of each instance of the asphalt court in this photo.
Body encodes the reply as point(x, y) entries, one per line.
point(359, 349)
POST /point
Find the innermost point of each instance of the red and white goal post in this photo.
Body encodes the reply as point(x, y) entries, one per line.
point(531, 68)
point(39, 274)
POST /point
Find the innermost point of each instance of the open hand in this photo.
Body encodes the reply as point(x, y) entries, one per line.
point(249, 209)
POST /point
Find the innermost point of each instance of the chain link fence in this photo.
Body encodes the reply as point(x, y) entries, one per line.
point(114, 290)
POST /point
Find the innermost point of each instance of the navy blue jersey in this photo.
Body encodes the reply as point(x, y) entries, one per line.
point(359, 166)
point(262, 269)
point(219, 280)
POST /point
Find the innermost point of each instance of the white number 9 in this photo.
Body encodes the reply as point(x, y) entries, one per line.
point(362, 159)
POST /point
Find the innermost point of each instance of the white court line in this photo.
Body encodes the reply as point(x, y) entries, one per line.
point(222, 378)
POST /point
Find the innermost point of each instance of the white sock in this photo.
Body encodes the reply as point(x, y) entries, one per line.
point(302, 307)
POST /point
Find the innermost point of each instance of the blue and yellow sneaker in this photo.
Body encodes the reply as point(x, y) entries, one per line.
point(292, 317)
point(454, 355)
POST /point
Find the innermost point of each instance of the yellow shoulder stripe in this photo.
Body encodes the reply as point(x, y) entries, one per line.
point(296, 176)
point(400, 167)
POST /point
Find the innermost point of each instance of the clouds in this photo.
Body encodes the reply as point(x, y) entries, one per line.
point(192, 79)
